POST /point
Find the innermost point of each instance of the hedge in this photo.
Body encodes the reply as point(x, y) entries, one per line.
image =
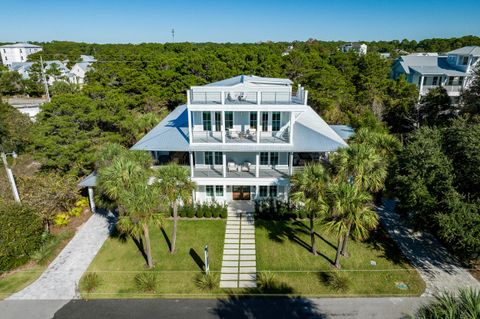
point(204, 210)
point(21, 233)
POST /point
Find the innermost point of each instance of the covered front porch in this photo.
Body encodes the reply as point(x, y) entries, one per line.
point(232, 193)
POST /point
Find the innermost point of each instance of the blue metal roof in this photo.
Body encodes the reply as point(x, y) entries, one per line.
point(344, 131)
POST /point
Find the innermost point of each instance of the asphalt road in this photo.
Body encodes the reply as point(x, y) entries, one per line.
point(234, 307)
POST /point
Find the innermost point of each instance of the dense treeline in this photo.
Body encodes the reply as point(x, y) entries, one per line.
point(132, 87)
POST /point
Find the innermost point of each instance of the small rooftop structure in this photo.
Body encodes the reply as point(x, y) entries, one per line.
point(21, 45)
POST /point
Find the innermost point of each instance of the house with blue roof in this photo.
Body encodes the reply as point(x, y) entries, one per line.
point(453, 70)
point(242, 137)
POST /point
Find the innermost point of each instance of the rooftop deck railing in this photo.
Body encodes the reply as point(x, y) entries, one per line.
point(249, 97)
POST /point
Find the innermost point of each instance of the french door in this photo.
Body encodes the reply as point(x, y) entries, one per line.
point(241, 192)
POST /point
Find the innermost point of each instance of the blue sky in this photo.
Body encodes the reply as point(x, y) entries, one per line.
point(135, 21)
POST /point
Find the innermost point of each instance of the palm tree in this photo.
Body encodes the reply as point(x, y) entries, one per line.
point(362, 166)
point(125, 180)
point(349, 213)
point(175, 186)
point(308, 191)
point(385, 144)
point(450, 306)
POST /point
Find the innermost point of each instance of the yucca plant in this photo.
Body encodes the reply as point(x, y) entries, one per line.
point(146, 281)
point(465, 305)
point(207, 281)
point(90, 282)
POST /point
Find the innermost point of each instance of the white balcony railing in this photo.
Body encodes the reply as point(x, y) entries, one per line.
point(247, 97)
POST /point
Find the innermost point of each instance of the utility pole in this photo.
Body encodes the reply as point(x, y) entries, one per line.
point(173, 35)
point(11, 179)
point(44, 79)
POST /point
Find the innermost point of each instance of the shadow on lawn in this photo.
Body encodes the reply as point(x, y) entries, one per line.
point(280, 230)
point(198, 260)
point(123, 237)
point(379, 241)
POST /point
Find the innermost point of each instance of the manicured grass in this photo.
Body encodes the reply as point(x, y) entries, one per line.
point(283, 247)
point(25, 275)
point(119, 260)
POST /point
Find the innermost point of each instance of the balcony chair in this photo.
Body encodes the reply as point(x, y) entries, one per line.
point(251, 133)
point(246, 166)
point(233, 134)
point(232, 167)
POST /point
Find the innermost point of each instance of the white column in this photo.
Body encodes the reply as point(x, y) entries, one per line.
point(290, 164)
point(223, 126)
point(91, 199)
point(224, 193)
point(257, 165)
point(222, 98)
point(290, 133)
point(192, 164)
point(224, 164)
point(259, 126)
point(190, 136)
point(421, 85)
point(257, 191)
point(188, 97)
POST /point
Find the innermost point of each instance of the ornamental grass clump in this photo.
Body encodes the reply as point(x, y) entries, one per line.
point(146, 282)
point(207, 281)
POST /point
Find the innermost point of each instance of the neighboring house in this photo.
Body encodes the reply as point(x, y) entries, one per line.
point(24, 68)
point(360, 48)
point(242, 138)
point(29, 106)
point(453, 71)
point(385, 55)
point(80, 69)
point(18, 52)
point(288, 50)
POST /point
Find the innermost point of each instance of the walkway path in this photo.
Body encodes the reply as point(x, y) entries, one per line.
point(60, 280)
point(440, 270)
point(239, 258)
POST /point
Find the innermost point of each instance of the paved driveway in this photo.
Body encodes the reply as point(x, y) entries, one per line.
point(440, 270)
point(60, 279)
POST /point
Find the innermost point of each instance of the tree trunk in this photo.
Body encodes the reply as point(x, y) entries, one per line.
point(312, 234)
point(337, 257)
point(345, 240)
point(146, 234)
point(47, 226)
point(174, 232)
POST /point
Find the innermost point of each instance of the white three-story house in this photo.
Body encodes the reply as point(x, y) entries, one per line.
point(242, 137)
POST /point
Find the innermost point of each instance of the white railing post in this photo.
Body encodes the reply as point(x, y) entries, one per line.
point(192, 164)
point(224, 166)
point(257, 165)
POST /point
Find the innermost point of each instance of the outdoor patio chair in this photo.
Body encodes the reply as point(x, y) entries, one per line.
point(246, 166)
point(233, 134)
point(231, 167)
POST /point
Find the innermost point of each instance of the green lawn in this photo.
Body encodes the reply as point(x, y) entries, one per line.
point(119, 260)
point(282, 248)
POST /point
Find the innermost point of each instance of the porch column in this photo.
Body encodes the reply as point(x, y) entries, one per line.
point(225, 193)
point(192, 164)
point(224, 164)
point(290, 133)
point(223, 126)
point(290, 164)
point(421, 85)
point(91, 199)
point(257, 191)
point(259, 125)
point(190, 136)
point(257, 165)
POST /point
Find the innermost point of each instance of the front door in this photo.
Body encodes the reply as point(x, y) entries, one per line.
point(241, 192)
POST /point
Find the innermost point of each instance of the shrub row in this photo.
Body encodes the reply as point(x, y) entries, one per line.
point(274, 209)
point(204, 210)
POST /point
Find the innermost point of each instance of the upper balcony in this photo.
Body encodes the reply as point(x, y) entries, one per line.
point(214, 96)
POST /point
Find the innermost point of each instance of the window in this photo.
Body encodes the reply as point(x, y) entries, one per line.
point(273, 191)
point(218, 158)
point(218, 121)
point(209, 190)
point(228, 120)
point(253, 120)
point(424, 80)
point(263, 191)
point(263, 158)
point(207, 121)
point(435, 80)
point(264, 121)
point(274, 158)
point(219, 190)
point(275, 121)
point(450, 80)
point(460, 80)
point(464, 60)
point(208, 158)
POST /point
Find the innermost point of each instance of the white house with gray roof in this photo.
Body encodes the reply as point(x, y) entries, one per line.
point(453, 71)
point(80, 69)
point(242, 138)
point(24, 68)
point(17, 52)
